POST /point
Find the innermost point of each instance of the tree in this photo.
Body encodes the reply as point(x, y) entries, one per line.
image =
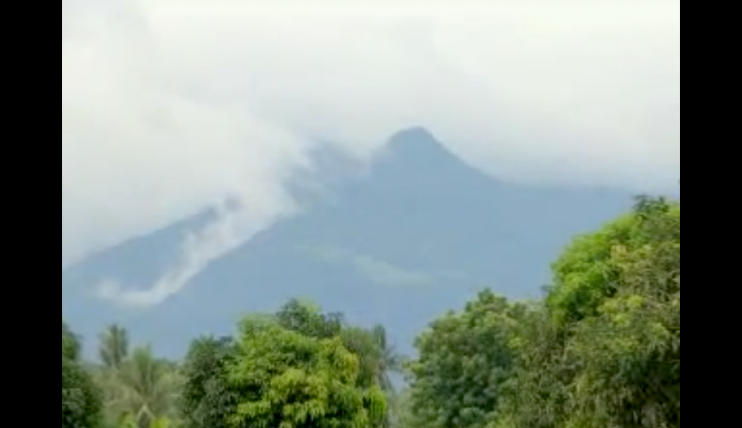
point(401, 411)
point(143, 386)
point(537, 393)
point(81, 401)
point(130, 421)
point(465, 358)
point(292, 380)
point(71, 347)
point(114, 347)
point(307, 319)
point(206, 400)
point(630, 351)
point(605, 351)
point(390, 362)
point(378, 359)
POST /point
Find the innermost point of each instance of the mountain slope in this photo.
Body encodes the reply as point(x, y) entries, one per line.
point(415, 236)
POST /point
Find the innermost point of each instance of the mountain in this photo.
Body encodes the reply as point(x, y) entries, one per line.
point(414, 235)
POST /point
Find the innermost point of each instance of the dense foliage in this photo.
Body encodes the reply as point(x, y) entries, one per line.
point(81, 400)
point(207, 399)
point(464, 361)
point(608, 346)
point(601, 350)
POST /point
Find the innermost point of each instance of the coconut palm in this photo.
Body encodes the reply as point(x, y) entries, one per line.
point(70, 343)
point(130, 421)
point(143, 386)
point(114, 347)
point(390, 362)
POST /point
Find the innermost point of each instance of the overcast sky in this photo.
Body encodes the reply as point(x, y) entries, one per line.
point(169, 105)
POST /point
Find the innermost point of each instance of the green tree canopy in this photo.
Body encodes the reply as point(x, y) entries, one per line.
point(464, 360)
point(601, 350)
point(307, 319)
point(606, 350)
point(70, 343)
point(81, 401)
point(291, 380)
point(144, 386)
point(207, 399)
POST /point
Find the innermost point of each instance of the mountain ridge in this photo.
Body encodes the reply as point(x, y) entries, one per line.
point(416, 234)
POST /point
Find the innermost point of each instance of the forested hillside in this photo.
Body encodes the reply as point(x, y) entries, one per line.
point(600, 350)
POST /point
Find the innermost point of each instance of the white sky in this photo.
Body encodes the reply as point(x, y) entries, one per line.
point(169, 105)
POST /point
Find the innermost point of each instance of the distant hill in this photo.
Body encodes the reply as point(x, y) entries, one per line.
point(415, 235)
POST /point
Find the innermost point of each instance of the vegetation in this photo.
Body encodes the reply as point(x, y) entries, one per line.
point(601, 350)
point(81, 400)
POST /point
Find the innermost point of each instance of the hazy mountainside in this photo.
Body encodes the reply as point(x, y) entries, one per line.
point(417, 234)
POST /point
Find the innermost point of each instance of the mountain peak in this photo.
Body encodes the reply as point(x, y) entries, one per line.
point(419, 133)
point(415, 141)
point(418, 147)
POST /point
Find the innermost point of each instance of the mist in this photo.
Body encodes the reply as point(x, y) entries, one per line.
point(172, 106)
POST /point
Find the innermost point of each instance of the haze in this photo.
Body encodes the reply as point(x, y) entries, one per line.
point(169, 106)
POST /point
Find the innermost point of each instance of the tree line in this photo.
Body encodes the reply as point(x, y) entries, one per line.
point(600, 350)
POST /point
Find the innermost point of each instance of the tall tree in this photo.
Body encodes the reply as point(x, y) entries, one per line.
point(207, 399)
point(114, 347)
point(630, 351)
point(307, 319)
point(606, 351)
point(288, 379)
point(143, 386)
point(378, 358)
point(81, 400)
point(390, 361)
point(70, 344)
point(465, 359)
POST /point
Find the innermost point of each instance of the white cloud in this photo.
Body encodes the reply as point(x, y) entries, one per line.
point(169, 105)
